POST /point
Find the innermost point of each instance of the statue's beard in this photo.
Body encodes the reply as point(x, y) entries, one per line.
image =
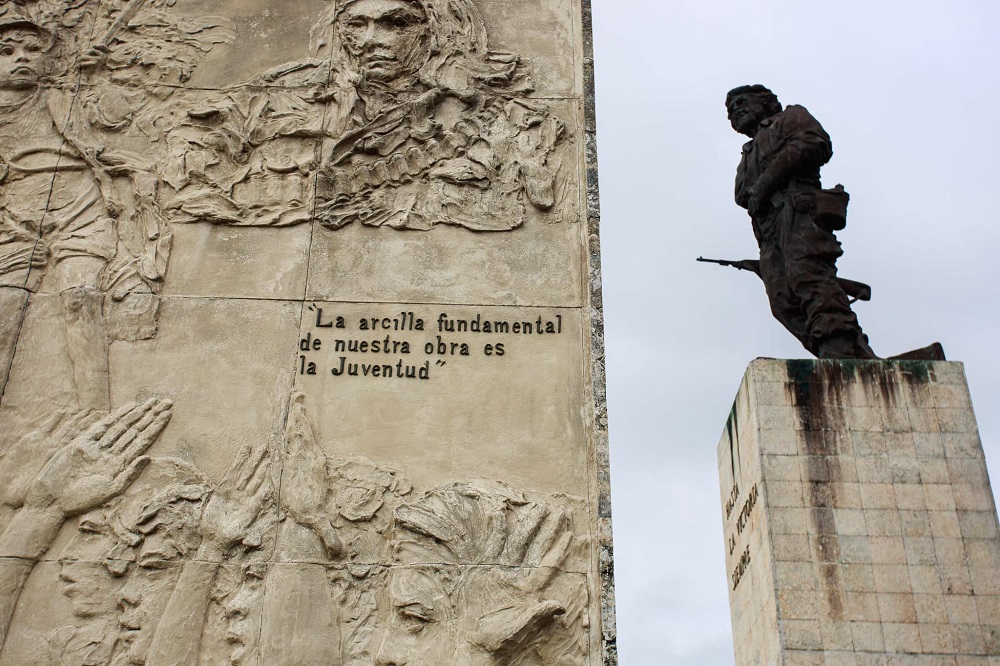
point(746, 123)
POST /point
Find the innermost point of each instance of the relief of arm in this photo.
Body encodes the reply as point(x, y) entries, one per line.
point(237, 505)
point(98, 464)
point(22, 544)
point(178, 635)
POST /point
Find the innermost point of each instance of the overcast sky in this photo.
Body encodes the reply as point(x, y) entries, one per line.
point(909, 91)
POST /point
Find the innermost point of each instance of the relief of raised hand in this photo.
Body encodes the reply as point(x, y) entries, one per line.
point(100, 463)
point(305, 488)
point(236, 512)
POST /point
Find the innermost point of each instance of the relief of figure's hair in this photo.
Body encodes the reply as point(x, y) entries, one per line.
point(174, 512)
point(480, 523)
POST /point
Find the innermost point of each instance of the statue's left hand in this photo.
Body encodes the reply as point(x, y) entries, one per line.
point(101, 462)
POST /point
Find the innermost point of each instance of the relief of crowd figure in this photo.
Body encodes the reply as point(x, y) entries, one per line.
point(81, 139)
point(166, 567)
point(402, 110)
point(55, 224)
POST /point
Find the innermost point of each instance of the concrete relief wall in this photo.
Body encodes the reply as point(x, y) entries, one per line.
point(299, 345)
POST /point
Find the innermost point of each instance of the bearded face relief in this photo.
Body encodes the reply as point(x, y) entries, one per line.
point(387, 41)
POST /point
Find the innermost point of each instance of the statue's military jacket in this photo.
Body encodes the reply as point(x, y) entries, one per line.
point(789, 147)
point(783, 159)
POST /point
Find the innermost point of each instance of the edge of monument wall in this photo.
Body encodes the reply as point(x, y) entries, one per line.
point(605, 548)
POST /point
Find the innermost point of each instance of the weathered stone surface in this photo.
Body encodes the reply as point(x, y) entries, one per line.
point(858, 528)
point(258, 263)
point(301, 351)
point(475, 385)
point(430, 267)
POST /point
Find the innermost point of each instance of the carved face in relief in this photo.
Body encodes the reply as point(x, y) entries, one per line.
point(23, 56)
point(387, 41)
point(461, 618)
point(169, 536)
point(422, 627)
point(141, 602)
point(87, 579)
point(88, 587)
point(241, 614)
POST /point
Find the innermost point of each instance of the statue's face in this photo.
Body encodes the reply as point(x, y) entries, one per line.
point(386, 40)
point(745, 113)
point(22, 57)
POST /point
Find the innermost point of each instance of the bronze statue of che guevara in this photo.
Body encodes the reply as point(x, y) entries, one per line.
point(794, 220)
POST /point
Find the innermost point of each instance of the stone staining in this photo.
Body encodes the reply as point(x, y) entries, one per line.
point(210, 213)
point(859, 522)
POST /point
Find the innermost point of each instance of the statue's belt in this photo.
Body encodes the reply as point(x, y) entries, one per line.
point(343, 183)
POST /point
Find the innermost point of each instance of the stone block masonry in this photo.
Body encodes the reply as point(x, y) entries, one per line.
point(860, 527)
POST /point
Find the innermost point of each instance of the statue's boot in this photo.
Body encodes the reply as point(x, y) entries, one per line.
point(862, 347)
point(845, 346)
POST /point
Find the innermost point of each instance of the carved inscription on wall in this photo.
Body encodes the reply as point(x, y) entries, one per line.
point(740, 473)
point(293, 334)
point(409, 344)
point(739, 509)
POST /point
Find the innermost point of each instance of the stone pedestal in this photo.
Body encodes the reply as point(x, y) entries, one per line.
point(860, 527)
